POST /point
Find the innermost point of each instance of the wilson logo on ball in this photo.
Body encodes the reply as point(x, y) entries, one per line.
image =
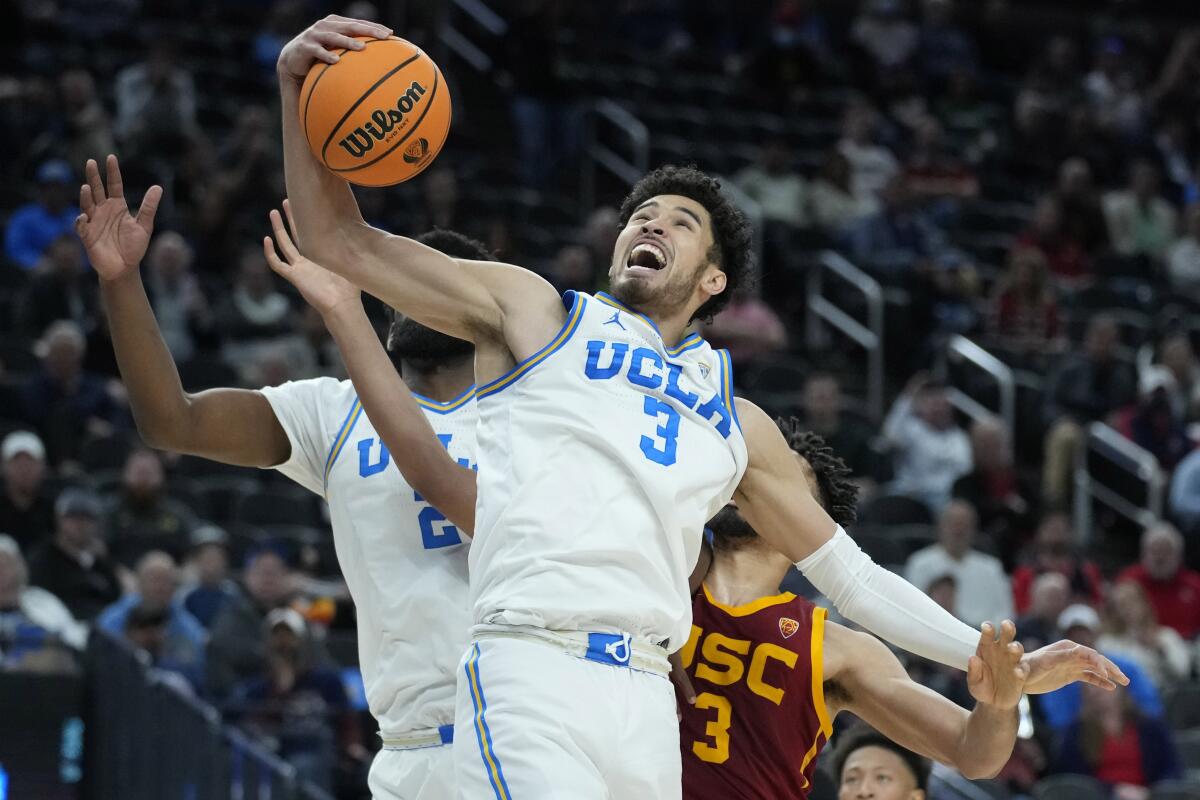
point(416, 151)
point(362, 139)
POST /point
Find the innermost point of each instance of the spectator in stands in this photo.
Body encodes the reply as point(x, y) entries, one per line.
point(59, 289)
point(599, 236)
point(849, 435)
point(1003, 499)
point(299, 705)
point(835, 206)
point(934, 174)
point(1024, 315)
point(255, 310)
point(897, 239)
point(1079, 203)
point(748, 328)
point(73, 565)
point(1049, 597)
point(1184, 499)
point(1113, 90)
point(1051, 86)
point(872, 166)
point(1175, 153)
point(1063, 707)
point(89, 129)
point(1176, 354)
point(1085, 387)
point(1173, 589)
point(1054, 552)
point(885, 34)
point(988, 597)
point(777, 188)
point(147, 628)
point(181, 648)
point(1118, 744)
point(1140, 221)
point(571, 269)
point(1134, 633)
point(156, 102)
point(143, 517)
point(32, 227)
point(235, 650)
point(930, 451)
point(945, 47)
point(180, 306)
point(1064, 254)
point(1183, 256)
point(1155, 423)
point(30, 617)
point(26, 508)
point(209, 587)
point(867, 764)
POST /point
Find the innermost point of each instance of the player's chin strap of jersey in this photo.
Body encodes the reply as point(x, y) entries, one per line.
point(886, 604)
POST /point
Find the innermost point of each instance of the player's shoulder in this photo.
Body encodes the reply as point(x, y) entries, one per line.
point(323, 391)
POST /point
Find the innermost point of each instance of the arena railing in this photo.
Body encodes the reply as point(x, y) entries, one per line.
point(148, 738)
point(1123, 461)
point(452, 36)
point(823, 310)
point(961, 350)
point(605, 116)
point(754, 213)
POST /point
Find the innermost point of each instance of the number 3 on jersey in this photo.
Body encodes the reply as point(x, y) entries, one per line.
point(661, 450)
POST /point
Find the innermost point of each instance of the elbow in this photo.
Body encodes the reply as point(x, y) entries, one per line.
point(981, 766)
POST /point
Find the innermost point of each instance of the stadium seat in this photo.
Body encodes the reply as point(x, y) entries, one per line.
point(280, 505)
point(99, 455)
point(880, 543)
point(222, 493)
point(1069, 787)
point(1176, 790)
point(1183, 707)
point(895, 509)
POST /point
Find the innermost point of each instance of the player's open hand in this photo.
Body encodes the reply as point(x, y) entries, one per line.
point(996, 674)
point(325, 291)
point(318, 42)
point(1056, 665)
point(115, 240)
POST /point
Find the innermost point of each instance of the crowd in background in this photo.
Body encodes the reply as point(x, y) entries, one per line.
point(1022, 187)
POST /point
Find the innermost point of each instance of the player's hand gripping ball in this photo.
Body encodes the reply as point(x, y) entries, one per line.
point(379, 115)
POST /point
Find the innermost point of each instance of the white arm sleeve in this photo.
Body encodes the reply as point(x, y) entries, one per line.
point(887, 605)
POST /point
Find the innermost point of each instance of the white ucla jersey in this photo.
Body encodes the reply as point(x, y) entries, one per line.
point(601, 457)
point(404, 563)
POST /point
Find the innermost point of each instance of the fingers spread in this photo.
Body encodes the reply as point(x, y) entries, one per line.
point(1008, 631)
point(273, 260)
point(86, 204)
point(92, 171)
point(149, 207)
point(281, 236)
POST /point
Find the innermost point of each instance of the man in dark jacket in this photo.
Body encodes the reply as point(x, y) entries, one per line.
point(74, 566)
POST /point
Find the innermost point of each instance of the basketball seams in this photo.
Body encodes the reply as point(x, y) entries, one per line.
point(354, 106)
point(341, 53)
point(437, 79)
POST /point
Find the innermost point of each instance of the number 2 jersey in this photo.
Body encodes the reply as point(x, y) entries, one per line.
point(601, 457)
point(404, 563)
point(760, 719)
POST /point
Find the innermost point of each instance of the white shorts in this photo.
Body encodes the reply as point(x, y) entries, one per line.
point(423, 774)
point(533, 721)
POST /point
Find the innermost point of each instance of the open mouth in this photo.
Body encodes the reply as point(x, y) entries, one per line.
point(647, 256)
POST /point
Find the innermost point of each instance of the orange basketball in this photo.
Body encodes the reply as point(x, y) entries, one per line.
point(380, 115)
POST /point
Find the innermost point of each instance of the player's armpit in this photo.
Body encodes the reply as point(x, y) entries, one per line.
point(773, 495)
point(876, 688)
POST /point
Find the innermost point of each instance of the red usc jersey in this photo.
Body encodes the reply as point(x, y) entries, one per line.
point(760, 718)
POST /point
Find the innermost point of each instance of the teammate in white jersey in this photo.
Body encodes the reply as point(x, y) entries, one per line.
point(404, 563)
point(607, 438)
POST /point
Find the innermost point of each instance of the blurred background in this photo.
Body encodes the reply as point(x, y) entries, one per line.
point(978, 257)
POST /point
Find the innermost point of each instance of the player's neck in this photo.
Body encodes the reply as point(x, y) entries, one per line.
point(741, 576)
point(441, 381)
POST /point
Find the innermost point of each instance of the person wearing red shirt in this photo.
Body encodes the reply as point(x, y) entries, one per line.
point(1053, 552)
point(1173, 589)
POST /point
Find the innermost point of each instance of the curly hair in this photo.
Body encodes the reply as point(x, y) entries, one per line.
point(731, 230)
point(838, 494)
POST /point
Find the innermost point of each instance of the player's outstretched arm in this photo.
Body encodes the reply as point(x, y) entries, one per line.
point(460, 298)
point(389, 404)
point(230, 425)
point(774, 498)
point(864, 677)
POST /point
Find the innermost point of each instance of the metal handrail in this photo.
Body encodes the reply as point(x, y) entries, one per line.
point(960, 348)
point(754, 215)
point(627, 169)
point(456, 40)
point(869, 336)
point(1146, 469)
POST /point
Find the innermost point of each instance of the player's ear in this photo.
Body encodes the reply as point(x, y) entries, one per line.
point(916, 794)
point(714, 280)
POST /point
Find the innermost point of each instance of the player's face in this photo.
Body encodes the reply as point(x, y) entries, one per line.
point(875, 773)
point(662, 256)
point(414, 342)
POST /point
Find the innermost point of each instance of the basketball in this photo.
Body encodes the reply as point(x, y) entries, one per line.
point(379, 116)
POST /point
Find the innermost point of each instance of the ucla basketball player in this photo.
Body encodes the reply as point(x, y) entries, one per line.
point(404, 563)
point(608, 435)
